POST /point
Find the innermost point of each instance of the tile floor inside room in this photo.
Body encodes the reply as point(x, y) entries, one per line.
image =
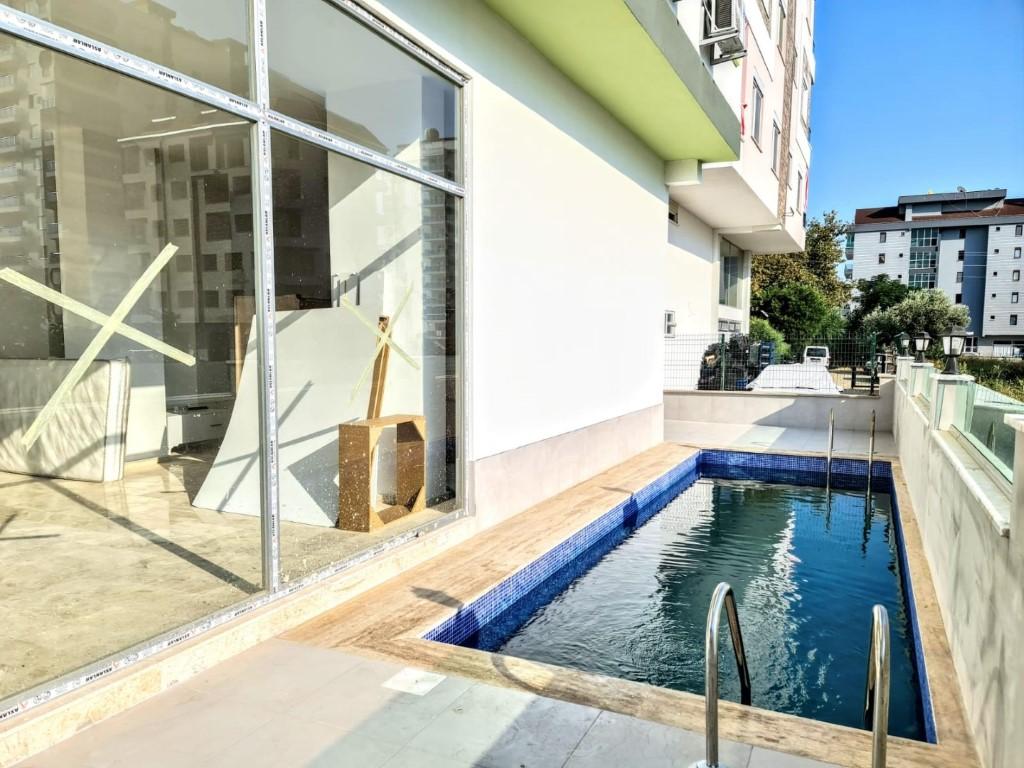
point(144, 559)
point(288, 705)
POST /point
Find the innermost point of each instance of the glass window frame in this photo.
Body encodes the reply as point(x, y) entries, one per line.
point(256, 109)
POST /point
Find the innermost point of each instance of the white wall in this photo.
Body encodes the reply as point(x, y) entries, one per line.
point(772, 409)
point(999, 281)
point(977, 572)
point(866, 247)
point(949, 264)
point(691, 275)
point(567, 240)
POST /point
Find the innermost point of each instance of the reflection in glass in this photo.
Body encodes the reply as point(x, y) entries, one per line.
point(118, 205)
point(367, 428)
point(328, 70)
point(202, 39)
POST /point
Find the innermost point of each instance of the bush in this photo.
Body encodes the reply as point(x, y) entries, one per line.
point(923, 310)
point(1004, 376)
point(761, 330)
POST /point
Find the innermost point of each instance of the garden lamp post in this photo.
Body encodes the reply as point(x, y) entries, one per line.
point(903, 342)
point(953, 342)
point(921, 342)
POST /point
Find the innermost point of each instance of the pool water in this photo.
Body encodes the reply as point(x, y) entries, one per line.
point(806, 568)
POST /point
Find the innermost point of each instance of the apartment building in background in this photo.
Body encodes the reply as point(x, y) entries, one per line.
point(723, 212)
point(966, 243)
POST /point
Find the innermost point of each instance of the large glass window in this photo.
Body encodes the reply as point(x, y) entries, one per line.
point(119, 350)
point(328, 70)
point(731, 263)
point(367, 297)
point(202, 39)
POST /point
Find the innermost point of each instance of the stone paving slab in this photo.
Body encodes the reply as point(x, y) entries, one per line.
point(285, 705)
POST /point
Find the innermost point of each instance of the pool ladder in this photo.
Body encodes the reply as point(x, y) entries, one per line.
point(876, 695)
point(723, 597)
point(831, 443)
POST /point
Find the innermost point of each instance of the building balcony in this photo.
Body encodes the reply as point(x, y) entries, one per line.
point(727, 199)
point(634, 59)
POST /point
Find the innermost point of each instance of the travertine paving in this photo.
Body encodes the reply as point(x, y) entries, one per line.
point(286, 705)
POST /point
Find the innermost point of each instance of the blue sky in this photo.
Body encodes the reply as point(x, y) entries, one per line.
point(915, 95)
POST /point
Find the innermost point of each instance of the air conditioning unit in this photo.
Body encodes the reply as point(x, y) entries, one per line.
point(722, 29)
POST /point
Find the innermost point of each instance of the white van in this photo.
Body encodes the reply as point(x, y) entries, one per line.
point(817, 356)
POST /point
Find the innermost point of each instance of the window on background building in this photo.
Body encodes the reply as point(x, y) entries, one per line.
point(882, 236)
point(881, 258)
point(731, 271)
point(959, 255)
point(1016, 253)
point(1013, 321)
point(958, 299)
point(776, 136)
point(959, 277)
point(971, 344)
point(1019, 230)
point(1016, 275)
point(922, 280)
point(1015, 298)
point(670, 323)
point(799, 190)
point(757, 108)
point(962, 233)
point(780, 23)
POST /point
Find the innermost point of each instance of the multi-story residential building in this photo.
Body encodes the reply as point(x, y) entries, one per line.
point(966, 243)
point(729, 210)
point(244, 204)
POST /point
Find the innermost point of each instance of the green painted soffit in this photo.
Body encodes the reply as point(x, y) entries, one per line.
point(634, 59)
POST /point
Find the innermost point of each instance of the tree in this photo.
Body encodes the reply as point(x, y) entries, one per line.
point(799, 311)
point(922, 310)
point(880, 292)
point(817, 265)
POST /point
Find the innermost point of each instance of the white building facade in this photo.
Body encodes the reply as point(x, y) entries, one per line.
point(967, 244)
point(220, 217)
point(756, 204)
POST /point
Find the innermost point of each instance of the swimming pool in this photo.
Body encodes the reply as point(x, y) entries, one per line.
point(628, 595)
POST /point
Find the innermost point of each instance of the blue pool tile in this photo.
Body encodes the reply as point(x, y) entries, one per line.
point(490, 613)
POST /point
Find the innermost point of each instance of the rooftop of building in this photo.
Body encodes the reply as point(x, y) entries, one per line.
point(1000, 206)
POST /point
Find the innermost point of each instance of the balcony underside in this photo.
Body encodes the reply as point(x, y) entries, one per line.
point(725, 201)
point(635, 60)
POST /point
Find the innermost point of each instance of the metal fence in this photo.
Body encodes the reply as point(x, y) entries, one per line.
point(736, 363)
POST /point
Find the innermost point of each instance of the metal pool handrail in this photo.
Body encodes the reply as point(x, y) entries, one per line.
point(871, 452)
point(876, 695)
point(828, 454)
point(723, 596)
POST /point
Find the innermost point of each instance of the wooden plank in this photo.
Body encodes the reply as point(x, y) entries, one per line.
point(380, 372)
